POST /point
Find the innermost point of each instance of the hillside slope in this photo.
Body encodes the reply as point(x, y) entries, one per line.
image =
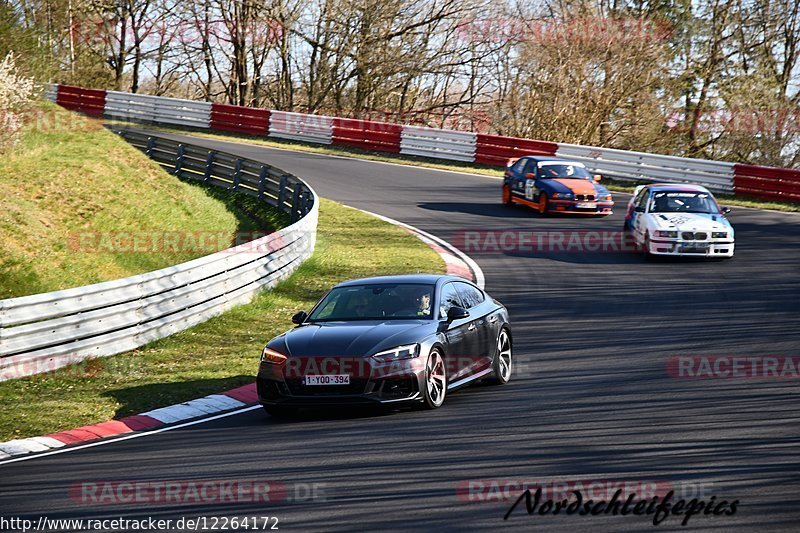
point(78, 205)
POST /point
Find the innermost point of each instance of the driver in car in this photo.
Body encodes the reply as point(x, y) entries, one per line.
point(424, 307)
point(359, 305)
point(416, 304)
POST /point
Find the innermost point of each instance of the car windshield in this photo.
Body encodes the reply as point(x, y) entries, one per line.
point(375, 301)
point(563, 170)
point(683, 202)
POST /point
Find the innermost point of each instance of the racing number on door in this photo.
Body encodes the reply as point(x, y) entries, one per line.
point(530, 189)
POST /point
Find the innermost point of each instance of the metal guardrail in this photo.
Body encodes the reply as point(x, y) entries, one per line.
point(719, 176)
point(625, 165)
point(145, 108)
point(43, 332)
point(441, 144)
point(301, 127)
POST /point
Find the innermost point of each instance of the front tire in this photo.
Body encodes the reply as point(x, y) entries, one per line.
point(507, 195)
point(646, 247)
point(435, 380)
point(543, 204)
point(502, 360)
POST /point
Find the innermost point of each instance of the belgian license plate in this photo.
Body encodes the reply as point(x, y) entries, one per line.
point(327, 379)
point(586, 205)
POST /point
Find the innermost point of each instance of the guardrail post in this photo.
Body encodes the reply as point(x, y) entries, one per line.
point(304, 203)
point(209, 161)
point(282, 191)
point(296, 203)
point(262, 181)
point(151, 143)
point(237, 174)
point(179, 160)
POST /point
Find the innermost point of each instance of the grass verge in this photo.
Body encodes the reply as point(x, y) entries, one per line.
point(219, 354)
point(74, 196)
point(426, 162)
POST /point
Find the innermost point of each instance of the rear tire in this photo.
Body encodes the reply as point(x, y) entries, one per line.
point(435, 380)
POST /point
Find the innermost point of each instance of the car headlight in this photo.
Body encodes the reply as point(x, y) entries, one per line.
point(271, 356)
point(719, 234)
point(667, 234)
point(607, 197)
point(563, 195)
point(408, 351)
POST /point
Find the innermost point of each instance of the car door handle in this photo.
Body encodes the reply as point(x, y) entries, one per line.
point(471, 326)
point(492, 319)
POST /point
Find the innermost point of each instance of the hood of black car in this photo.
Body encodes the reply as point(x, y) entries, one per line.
point(354, 338)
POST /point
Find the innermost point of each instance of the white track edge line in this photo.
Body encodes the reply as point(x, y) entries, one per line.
point(480, 279)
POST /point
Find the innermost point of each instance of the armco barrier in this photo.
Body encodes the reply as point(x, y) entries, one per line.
point(639, 166)
point(441, 144)
point(758, 182)
point(497, 149)
point(366, 134)
point(301, 127)
point(90, 102)
point(51, 92)
point(239, 119)
point(767, 183)
point(43, 332)
point(144, 108)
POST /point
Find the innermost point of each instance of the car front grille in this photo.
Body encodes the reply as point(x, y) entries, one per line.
point(692, 236)
point(584, 197)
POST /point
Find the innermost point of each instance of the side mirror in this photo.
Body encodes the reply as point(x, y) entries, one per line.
point(725, 210)
point(530, 176)
point(456, 313)
point(597, 178)
point(299, 317)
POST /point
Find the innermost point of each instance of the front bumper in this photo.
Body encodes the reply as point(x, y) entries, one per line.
point(677, 247)
point(571, 207)
point(370, 384)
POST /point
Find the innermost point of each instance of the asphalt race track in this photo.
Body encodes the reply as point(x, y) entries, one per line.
point(592, 398)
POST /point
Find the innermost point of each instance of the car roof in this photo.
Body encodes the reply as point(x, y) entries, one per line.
point(684, 187)
point(430, 279)
point(542, 158)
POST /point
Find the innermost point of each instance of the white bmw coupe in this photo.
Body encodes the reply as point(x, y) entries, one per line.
point(678, 219)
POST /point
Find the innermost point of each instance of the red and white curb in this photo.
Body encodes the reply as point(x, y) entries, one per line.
point(211, 406)
point(458, 263)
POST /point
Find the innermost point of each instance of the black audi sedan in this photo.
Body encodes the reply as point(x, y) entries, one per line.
point(387, 340)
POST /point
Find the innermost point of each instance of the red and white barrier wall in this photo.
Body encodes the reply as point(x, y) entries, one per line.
point(367, 134)
point(765, 183)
